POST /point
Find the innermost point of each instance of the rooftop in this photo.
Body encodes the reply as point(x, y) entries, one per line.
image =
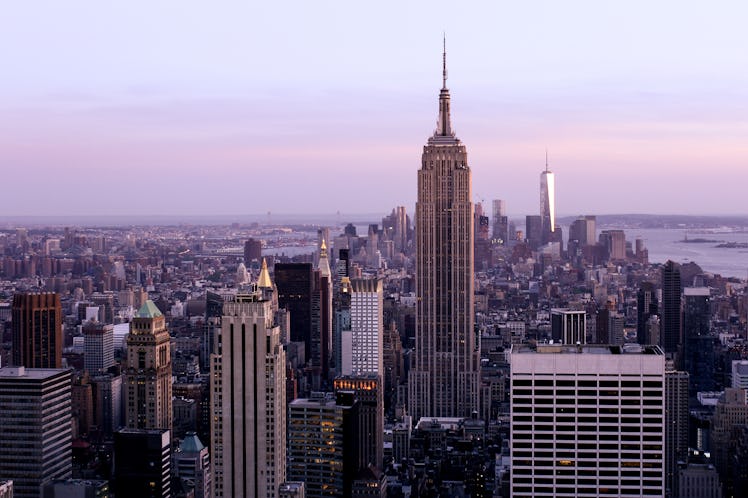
point(605, 349)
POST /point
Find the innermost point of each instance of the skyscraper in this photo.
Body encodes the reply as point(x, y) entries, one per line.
point(294, 284)
point(98, 340)
point(36, 435)
point(444, 380)
point(362, 345)
point(37, 330)
point(670, 332)
point(676, 424)
point(248, 440)
point(698, 343)
point(148, 371)
point(547, 202)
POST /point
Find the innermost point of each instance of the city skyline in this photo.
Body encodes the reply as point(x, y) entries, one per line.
point(631, 96)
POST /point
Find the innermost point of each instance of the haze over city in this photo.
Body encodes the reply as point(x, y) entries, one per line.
point(186, 108)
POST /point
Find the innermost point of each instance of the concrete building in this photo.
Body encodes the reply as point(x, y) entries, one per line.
point(586, 419)
point(36, 435)
point(248, 399)
point(37, 330)
point(147, 379)
point(445, 376)
point(98, 353)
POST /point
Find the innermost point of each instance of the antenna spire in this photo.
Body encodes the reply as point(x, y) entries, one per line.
point(546, 159)
point(444, 61)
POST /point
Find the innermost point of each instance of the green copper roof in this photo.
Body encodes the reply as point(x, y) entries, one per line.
point(191, 443)
point(148, 310)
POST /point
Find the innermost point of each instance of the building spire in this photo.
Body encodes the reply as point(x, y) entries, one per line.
point(546, 159)
point(444, 125)
point(444, 62)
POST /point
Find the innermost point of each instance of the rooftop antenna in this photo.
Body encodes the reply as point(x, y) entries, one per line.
point(444, 61)
point(546, 159)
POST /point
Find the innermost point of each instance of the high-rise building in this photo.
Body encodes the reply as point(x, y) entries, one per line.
point(36, 435)
point(249, 436)
point(614, 242)
point(676, 425)
point(646, 306)
point(147, 379)
point(37, 330)
point(294, 284)
point(321, 348)
point(402, 227)
point(142, 463)
point(252, 251)
point(587, 421)
point(98, 341)
point(369, 393)
point(534, 231)
point(568, 326)
point(698, 343)
point(670, 328)
point(322, 443)
point(445, 376)
point(363, 343)
point(500, 231)
point(547, 202)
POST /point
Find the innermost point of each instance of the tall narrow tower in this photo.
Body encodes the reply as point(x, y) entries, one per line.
point(547, 202)
point(148, 373)
point(444, 380)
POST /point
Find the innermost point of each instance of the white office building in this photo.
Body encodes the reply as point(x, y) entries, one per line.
point(362, 346)
point(587, 421)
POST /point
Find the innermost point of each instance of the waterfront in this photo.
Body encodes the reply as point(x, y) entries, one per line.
point(664, 244)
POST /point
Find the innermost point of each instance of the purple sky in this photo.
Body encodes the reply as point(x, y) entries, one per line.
point(186, 107)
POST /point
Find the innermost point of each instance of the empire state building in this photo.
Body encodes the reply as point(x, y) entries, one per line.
point(444, 381)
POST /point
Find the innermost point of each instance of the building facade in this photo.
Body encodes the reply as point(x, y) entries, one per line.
point(249, 441)
point(37, 330)
point(98, 341)
point(36, 435)
point(445, 377)
point(147, 379)
point(587, 421)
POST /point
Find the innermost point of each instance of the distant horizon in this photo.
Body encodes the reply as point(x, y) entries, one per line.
point(322, 218)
